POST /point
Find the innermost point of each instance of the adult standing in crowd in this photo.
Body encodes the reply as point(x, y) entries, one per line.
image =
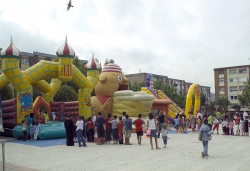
point(93, 118)
point(108, 128)
point(69, 127)
point(160, 119)
point(123, 119)
point(152, 126)
point(79, 129)
point(128, 127)
point(237, 125)
point(100, 129)
point(192, 121)
point(199, 114)
point(245, 114)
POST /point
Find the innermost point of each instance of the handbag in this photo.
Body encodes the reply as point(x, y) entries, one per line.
point(199, 137)
point(148, 132)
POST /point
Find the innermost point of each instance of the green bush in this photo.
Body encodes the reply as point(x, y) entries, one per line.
point(66, 94)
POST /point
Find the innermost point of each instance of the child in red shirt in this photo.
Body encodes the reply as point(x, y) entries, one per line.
point(90, 126)
point(138, 128)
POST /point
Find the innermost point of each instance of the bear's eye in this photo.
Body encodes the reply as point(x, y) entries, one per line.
point(119, 78)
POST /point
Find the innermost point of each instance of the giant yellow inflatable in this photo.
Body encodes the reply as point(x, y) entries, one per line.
point(113, 96)
point(193, 89)
point(61, 71)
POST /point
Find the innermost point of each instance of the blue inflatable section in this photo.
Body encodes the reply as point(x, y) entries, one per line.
point(47, 131)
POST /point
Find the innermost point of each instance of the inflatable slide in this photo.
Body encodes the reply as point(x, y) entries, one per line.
point(172, 108)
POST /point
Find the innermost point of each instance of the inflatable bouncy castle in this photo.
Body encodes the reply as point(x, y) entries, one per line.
point(16, 110)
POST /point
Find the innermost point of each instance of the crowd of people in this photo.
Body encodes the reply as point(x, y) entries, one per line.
point(104, 130)
point(237, 124)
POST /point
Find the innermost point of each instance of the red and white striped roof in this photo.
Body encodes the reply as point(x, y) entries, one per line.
point(93, 64)
point(111, 67)
point(65, 50)
point(11, 51)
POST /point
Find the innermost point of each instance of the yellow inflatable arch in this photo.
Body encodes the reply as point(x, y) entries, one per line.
point(194, 88)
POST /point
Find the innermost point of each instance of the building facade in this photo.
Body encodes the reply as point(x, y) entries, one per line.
point(30, 59)
point(230, 82)
point(180, 85)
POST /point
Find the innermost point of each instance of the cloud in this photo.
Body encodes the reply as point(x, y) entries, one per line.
point(181, 39)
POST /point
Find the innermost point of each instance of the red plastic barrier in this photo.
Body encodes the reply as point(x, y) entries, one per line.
point(8, 109)
point(7, 116)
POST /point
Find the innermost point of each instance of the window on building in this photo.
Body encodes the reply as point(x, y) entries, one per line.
point(221, 89)
point(242, 70)
point(221, 80)
point(234, 97)
point(243, 79)
point(25, 60)
point(221, 72)
point(233, 88)
point(233, 71)
point(241, 88)
point(233, 80)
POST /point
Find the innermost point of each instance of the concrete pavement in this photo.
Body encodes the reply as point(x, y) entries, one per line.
point(183, 153)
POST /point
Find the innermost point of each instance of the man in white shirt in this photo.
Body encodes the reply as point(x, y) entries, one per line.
point(245, 114)
point(199, 114)
point(93, 118)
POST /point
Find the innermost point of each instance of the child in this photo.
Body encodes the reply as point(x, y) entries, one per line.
point(32, 130)
point(224, 124)
point(164, 135)
point(120, 130)
point(53, 116)
point(216, 125)
point(114, 124)
point(37, 129)
point(242, 126)
point(176, 121)
point(231, 127)
point(90, 125)
point(246, 126)
point(199, 123)
point(24, 128)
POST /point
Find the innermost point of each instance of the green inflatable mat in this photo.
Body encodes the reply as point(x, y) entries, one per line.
point(47, 131)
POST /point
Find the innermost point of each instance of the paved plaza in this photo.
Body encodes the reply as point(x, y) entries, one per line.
point(183, 153)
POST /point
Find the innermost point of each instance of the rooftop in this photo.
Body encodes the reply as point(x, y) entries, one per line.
point(240, 66)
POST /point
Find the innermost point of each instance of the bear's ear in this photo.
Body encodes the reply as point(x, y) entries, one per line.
point(102, 78)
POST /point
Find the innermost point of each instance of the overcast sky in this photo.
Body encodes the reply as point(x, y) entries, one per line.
point(181, 39)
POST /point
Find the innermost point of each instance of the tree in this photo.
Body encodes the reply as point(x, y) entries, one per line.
point(179, 97)
point(203, 99)
point(244, 98)
point(7, 93)
point(65, 94)
point(157, 85)
point(107, 61)
point(223, 102)
point(212, 105)
point(236, 107)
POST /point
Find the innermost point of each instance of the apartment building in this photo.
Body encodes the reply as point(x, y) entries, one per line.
point(230, 82)
point(180, 85)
